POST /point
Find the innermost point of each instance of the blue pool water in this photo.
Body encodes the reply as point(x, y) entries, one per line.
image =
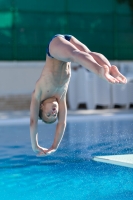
point(70, 172)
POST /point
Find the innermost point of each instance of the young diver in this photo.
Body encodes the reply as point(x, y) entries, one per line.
point(49, 97)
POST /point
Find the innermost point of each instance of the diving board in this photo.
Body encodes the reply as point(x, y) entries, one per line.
point(125, 160)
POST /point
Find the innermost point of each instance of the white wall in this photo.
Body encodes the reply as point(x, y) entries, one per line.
point(19, 77)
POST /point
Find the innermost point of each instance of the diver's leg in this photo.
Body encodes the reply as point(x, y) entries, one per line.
point(100, 59)
point(66, 51)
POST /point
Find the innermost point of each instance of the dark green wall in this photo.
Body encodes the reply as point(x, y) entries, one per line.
point(26, 26)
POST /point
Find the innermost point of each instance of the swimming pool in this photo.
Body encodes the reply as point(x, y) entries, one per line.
point(70, 172)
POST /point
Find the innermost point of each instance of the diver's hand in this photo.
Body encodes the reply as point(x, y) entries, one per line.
point(39, 150)
point(45, 152)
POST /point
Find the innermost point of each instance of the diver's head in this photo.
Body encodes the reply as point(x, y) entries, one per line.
point(49, 109)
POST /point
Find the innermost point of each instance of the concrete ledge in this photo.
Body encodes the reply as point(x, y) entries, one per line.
point(19, 114)
point(101, 112)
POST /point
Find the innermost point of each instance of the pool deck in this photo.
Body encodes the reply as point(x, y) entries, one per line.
point(26, 113)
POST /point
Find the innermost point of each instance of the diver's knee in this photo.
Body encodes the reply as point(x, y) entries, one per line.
point(74, 54)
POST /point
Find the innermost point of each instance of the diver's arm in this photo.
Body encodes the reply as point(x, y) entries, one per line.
point(61, 125)
point(60, 128)
point(34, 110)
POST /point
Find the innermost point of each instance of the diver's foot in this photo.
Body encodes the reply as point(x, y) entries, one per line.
point(117, 75)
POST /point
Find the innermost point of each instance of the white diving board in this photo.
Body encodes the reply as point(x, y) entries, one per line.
point(125, 160)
